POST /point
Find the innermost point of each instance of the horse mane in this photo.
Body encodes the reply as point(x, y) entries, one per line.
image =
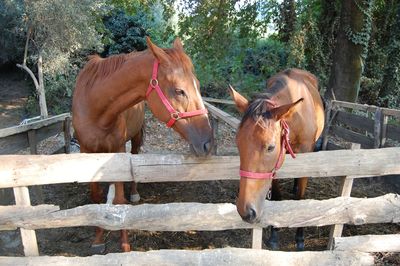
point(258, 106)
point(98, 68)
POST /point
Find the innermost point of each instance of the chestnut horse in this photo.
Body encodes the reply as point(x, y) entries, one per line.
point(287, 116)
point(108, 108)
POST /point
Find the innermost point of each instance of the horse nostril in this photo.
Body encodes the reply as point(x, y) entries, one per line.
point(251, 215)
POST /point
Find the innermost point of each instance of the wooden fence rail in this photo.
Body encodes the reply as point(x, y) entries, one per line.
point(225, 256)
point(210, 217)
point(28, 170)
point(13, 139)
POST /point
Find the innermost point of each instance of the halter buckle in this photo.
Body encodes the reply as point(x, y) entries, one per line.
point(175, 116)
point(154, 83)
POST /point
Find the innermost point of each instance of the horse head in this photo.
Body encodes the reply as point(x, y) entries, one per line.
point(177, 100)
point(261, 148)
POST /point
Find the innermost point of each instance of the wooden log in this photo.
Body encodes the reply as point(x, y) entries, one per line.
point(224, 116)
point(352, 136)
point(28, 237)
point(216, 217)
point(346, 185)
point(368, 243)
point(28, 170)
point(208, 257)
point(8, 213)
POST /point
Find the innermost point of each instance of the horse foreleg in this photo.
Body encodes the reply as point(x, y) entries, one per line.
point(96, 195)
point(136, 142)
point(273, 241)
point(120, 199)
point(300, 191)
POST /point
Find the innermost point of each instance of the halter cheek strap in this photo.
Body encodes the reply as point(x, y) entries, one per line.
point(175, 115)
point(285, 146)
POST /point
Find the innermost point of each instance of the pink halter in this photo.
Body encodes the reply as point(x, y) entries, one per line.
point(175, 115)
point(285, 146)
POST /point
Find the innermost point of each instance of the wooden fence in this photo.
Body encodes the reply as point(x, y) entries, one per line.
point(21, 171)
point(14, 139)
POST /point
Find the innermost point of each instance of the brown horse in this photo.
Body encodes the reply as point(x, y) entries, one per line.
point(108, 108)
point(291, 103)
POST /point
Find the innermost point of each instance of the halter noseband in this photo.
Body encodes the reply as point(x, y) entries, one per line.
point(175, 115)
point(285, 145)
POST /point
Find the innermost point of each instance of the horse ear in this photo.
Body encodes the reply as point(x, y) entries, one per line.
point(284, 110)
point(241, 102)
point(178, 44)
point(159, 53)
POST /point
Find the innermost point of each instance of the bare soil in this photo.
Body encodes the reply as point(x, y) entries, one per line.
point(158, 139)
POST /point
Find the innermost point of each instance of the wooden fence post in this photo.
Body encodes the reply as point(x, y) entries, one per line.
point(36, 190)
point(345, 188)
point(325, 133)
point(256, 236)
point(384, 123)
point(377, 128)
point(28, 237)
point(214, 125)
point(67, 134)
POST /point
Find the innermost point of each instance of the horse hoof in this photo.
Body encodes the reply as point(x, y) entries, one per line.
point(98, 248)
point(125, 247)
point(300, 246)
point(135, 198)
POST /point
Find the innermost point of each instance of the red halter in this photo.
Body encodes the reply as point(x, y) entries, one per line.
point(175, 115)
point(285, 146)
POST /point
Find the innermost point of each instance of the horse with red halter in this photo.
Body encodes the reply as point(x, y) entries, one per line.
point(108, 108)
point(287, 117)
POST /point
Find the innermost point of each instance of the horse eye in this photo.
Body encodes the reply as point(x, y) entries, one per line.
point(180, 92)
point(270, 148)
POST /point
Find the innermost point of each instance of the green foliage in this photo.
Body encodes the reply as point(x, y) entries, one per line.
point(11, 37)
point(125, 33)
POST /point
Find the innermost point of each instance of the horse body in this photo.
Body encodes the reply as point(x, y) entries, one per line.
point(108, 108)
point(291, 99)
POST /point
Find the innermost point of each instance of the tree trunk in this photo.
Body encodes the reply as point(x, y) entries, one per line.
point(42, 96)
point(347, 67)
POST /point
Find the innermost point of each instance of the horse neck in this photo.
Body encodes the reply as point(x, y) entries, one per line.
point(123, 89)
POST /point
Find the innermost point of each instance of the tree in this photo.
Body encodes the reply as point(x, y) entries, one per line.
point(55, 30)
point(350, 50)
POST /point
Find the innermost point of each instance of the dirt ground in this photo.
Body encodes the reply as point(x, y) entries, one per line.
point(158, 139)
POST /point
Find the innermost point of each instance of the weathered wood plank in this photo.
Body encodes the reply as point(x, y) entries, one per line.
point(216, 217)
point(28, 170)
point(256, 238)
point(355, 121)
point(28, 237)
point(346, 184)
point(34, 125)
point(7, 213)
point(367, 108)
point(213, 100)
point(208, 257)
point(14, 143)
point(393, 132)
point(224, 116)
point(351, 136)
point(368, 243)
